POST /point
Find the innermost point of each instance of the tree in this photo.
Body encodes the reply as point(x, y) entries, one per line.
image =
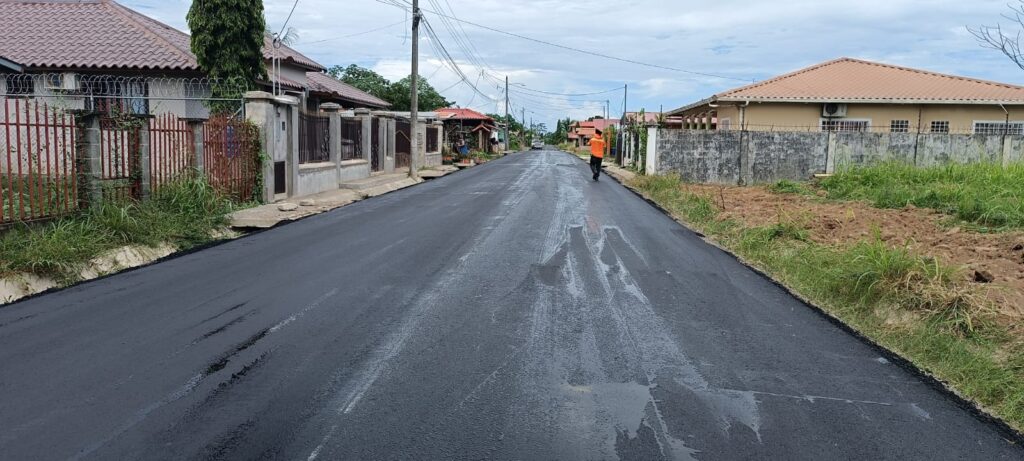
point(364, 79)
point(429, 98)
point(396, 93)
point(227, 40)
point(1007, 43)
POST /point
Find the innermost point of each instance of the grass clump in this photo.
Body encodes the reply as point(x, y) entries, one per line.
point(985, 194)
point(183, 213)
point(912, 304)
point(786, 186)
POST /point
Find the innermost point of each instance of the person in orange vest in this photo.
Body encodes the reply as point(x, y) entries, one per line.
point(596, 153)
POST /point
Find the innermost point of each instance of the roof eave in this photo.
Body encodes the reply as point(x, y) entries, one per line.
point(979, 102)
point(11, 65)
point(695, 105)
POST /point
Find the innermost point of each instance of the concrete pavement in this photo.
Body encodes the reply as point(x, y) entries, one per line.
point(518, 310)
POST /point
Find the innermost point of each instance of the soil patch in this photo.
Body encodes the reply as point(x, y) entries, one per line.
point(993, 261)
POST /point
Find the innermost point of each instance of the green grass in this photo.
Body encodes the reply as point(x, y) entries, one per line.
point(982, 194)
point(182, 213)
point(786, 186)
point(909, 303)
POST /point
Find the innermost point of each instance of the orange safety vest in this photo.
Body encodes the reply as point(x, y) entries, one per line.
point(597, 146)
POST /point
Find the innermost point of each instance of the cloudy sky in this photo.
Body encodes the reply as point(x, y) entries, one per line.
point(734, 41)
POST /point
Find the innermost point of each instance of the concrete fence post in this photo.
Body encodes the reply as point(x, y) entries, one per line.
point(365, 140)
point(195, 128)
point(333, 112)
point(141, 169)
point(1004, 154)
point(389, 137)
point(746, 159)
point(830, 153)
point(651, 162)
point(259, 110)
point(89, 167)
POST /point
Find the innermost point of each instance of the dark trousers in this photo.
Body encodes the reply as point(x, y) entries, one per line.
point(595, 165)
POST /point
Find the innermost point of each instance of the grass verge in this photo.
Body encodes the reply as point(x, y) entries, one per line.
point(986, 195)
point(184, 213)
point(908, 303)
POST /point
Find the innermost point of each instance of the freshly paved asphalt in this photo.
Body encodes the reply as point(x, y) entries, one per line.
point(517, 310)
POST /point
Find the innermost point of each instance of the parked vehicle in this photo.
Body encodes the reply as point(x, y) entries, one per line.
point(537, 144)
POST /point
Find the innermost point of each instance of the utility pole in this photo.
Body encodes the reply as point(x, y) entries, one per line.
point(607, 140)
point(623, 121)
point(414, 112)
point(523, 122)
point(508, 142)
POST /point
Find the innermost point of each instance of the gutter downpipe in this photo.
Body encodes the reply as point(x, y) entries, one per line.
point(1006, 129)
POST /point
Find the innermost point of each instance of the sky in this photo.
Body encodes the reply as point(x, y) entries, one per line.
point(712, 46)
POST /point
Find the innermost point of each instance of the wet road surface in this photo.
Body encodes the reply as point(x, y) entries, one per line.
point(517, 310)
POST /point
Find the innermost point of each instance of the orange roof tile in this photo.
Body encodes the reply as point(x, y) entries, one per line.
point(853, 80)
point(461, 114)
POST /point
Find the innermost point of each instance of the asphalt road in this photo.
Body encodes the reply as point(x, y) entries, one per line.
point(517, 310)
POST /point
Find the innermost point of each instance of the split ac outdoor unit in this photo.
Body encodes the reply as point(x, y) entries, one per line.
point(833, 110)
point(66, 81)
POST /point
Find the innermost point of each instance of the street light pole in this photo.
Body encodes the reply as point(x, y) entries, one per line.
point(414, 115)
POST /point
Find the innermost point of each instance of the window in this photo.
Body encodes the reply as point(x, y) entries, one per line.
point(899, 126)
point(725, 124)
point(998, 128)
point(940, 126)
point(17, 85)
point(845, 125)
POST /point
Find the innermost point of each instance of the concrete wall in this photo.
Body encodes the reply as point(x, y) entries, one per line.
point(317, 177)
point(748, 157)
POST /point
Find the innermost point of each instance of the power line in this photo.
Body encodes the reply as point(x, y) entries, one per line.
point(286, 21)
point(579, 50)
point(355, 34)
point(520, 85)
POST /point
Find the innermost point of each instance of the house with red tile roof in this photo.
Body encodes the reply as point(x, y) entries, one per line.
point(856, 95)
point(581, 132)
point(65, 39)
point(474, 128)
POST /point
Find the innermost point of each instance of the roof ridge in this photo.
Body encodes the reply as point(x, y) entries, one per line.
point(138, 19)
point(933, 73)
point(784, 76)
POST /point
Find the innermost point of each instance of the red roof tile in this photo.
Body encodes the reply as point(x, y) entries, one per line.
point(101, 34)
point(97, 34)
point(321, 82)
point(461, 114)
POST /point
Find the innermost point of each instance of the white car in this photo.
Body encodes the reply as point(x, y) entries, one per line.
point(537, 145)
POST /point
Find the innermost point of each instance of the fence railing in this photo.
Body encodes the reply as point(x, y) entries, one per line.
point(375, 146)
point(231, 156)
point(314, 138)
point(37, 161)
point(351, 139)
point(171, 149)
point(433, 139)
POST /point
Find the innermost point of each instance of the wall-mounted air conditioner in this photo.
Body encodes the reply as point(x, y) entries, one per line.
point(833, 109)
point(67, 81)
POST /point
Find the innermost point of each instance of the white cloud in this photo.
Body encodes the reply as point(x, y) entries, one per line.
point(741, 39)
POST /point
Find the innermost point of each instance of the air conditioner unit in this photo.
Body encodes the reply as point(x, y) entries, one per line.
point(67, 81)
point(833, 110)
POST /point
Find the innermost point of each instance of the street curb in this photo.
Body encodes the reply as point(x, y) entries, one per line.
point(972, 407)
point(205, 246)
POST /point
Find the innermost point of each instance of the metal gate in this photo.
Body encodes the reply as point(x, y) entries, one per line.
point(231, 157)
point(375, 148)
point(403, 144)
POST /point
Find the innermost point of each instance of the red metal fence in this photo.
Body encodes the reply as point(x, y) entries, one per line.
point(37, 161)
point(231, 156)
point(121, 173)
point(171, 149)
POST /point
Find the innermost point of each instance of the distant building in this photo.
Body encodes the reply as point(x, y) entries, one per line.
point(473, 127)
point(855, 95)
